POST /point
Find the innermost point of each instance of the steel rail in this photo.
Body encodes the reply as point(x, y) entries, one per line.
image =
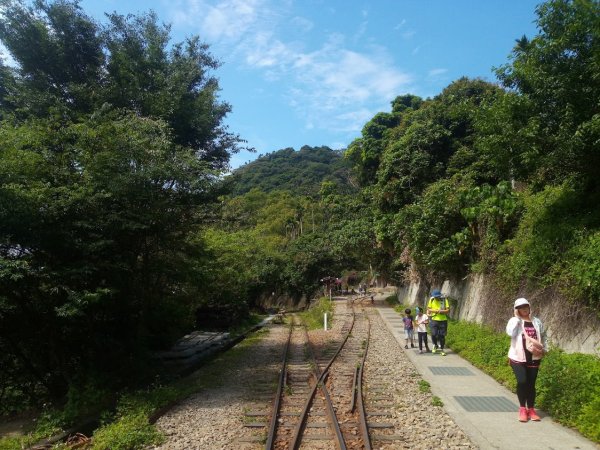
point(359, 396)
point(277, 403)
point(320, 384)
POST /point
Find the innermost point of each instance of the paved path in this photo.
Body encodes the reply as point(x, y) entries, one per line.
point(482, 407)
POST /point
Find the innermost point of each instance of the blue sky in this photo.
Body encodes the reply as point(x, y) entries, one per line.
point(313, 72)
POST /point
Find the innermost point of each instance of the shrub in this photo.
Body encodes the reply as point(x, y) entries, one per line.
point(579, 275)
point(569, 387)
point(391, 300)
point(484, 348)
point(313, 317)
point(129, 432)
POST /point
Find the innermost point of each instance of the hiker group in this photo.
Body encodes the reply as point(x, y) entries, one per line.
point(436, 316)
point(528, 343)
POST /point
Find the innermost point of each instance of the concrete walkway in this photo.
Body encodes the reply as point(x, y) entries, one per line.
point(484, 409)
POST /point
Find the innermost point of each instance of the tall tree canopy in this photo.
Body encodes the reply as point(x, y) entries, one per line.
point(552, 127)
point(111, 143)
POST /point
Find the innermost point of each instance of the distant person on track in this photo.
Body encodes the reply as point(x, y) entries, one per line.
point(408, 328)
point(527, 347)
point(421, 320)
point(438, 308)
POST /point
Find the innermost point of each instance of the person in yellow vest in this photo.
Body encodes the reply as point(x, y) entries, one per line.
point(438, 308)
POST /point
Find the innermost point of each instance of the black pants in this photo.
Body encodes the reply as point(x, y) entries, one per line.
point(526, 377)
point(423, 340)
point(439, 328)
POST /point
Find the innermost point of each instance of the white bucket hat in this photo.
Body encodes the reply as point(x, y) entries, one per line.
point(521, 302)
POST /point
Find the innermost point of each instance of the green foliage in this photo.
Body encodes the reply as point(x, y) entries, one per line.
point(301, 172)
point(556, 74)
point(127, 433)
point(436, 401)
point(491, 213)
point(554, 243)
point(484, 348)
point(418, 152)
point(579, 275)
point(315, 315)
point(111, 146)
point(392, 300)
point(111, 142)
point(568, 385)
point(282, 243)
point(398, 307)
point(430, 229)
point(424, 386)
point(365, 153)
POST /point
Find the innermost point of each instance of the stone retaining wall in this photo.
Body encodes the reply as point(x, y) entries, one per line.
point(476, 299)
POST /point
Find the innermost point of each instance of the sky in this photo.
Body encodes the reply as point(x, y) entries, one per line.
point(313, 72)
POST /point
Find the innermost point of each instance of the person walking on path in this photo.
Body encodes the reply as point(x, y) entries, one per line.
point(422, 320)
point(438, 308)
point(527, 347)
point(408, 329)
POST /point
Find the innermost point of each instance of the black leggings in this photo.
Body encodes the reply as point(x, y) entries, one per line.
point(526, 377)
point(423, 340)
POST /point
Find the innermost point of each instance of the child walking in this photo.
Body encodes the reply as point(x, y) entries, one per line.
point(422, 320)
point(408, 328)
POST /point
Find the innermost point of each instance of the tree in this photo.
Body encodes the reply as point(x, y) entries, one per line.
point(422, 148)
point(101, 195)
point(556, 119)
point(71, 64)
point(59, 52)
point(146, 76)
point(365, 153)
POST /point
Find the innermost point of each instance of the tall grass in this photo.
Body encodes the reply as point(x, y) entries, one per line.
point(314, 316)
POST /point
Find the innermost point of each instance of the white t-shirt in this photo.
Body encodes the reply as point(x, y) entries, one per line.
point(421, 326)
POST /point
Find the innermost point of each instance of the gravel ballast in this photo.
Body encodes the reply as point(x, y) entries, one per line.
point(217, 416)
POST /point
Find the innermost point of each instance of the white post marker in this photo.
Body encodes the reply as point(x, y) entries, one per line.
point(325, 321)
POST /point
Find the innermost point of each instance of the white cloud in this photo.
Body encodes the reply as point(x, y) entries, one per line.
point(400, 25)
point(225, 20)
point(268, 52)
point(302, 24)
point(436, 73)
point(332, 86)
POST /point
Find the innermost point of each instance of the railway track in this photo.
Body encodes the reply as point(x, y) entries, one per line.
point(239, 414)
point(319, 399)
point(322, 401)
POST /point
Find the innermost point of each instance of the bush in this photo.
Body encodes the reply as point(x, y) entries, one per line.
point(568, 385)
point(484, 348)
point(579, 275)
point(129, 432)
point(392, 300)
point(313, 317)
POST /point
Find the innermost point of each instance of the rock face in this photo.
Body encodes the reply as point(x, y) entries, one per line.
point(476, 298)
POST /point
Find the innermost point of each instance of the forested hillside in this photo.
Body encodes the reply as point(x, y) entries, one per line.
point(300, 171)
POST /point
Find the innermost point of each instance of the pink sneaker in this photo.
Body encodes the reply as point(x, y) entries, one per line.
point(523, 414)
point(533, 415)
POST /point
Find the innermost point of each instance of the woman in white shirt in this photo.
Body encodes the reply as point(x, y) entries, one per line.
point(527, 347)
